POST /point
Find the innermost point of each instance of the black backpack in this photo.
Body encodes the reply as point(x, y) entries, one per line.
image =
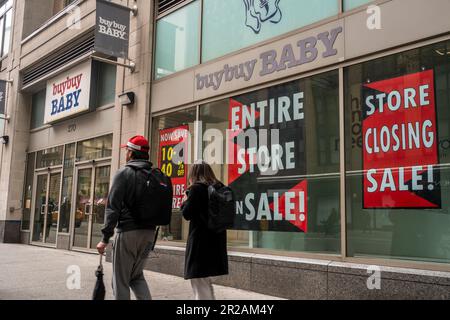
point(221, 208)
point(152, 203)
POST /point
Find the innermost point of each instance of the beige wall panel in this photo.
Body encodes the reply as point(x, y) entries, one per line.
point(87, 126)
point(402, 21)
point(278, 46)
point(173, 91)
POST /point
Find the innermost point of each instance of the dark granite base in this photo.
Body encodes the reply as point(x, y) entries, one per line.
point(294, 278)
point(10, 231)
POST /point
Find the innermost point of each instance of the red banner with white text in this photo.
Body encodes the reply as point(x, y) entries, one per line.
point(400, 143)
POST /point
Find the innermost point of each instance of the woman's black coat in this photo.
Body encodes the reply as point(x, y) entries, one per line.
point(206, 251)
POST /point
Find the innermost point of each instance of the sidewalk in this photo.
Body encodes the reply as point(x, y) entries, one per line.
point(35, 273)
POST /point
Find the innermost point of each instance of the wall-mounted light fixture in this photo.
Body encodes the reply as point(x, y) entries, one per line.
point(127, 98)
point(4, 139)
point(134, 10)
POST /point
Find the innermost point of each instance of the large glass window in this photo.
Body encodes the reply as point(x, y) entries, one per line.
point(97, 148)
point(37, 109)
point(177, 40)
point(250, 21)
point(231, 25)
point(398, 155)
point(285, 168)
point(164, 138)
point(28, 192)
point(351, 4)
point(105, 84)
point(50, 157)
point(66, 198)
point(5, 26)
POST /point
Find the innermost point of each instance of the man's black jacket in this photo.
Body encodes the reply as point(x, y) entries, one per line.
point(120, 200)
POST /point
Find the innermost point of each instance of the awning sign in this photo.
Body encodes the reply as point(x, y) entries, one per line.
point(112, 31)
point(172, 159)
point(400, 143)
point(267, 159)
point(68, 94)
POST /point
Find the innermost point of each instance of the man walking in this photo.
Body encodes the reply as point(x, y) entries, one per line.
point(134, 239)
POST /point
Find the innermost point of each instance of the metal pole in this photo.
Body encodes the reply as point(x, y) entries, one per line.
point(131, 66)
point(342, 164)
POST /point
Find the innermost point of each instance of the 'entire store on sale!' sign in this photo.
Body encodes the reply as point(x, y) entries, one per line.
point(400, 143)
point(172, 159)
point(267, 159)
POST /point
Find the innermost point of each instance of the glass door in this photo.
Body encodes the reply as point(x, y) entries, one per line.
point(54, 191)
point(101, 189)
point(83, 207)
point(40, 208)
point(92, 192)
point(46, 207)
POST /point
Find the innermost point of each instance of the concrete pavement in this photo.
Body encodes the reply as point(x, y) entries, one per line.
point(36, 273)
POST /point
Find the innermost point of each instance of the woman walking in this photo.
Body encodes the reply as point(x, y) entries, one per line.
point(206, 250)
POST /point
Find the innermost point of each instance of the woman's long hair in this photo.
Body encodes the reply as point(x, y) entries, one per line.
point(201, 172)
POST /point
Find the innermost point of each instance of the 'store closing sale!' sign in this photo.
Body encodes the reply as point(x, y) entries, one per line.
point(400, 152)
point(172, 159)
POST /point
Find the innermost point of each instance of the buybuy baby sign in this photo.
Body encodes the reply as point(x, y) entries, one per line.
point(68, 94)
point(400, 153)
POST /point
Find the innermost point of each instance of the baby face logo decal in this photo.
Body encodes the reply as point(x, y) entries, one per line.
point(260, 11)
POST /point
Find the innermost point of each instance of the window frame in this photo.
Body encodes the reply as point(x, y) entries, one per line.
point(343, 256)
point(182, 4)
point(8, 9)
point(179, 6)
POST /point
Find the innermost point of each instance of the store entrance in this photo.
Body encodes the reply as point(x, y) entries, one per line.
point(90, 203)
point(46, 207)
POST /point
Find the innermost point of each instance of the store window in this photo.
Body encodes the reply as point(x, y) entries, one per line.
point(177, 40)
point(5, 26)
point(255, 21)
point(49, 157)
point(351, 4)
point(170, 132)
point(285, 168)
point(92, 149)
point(398, 155)
point(105, 93)
point(66, 198)
point(28, 191)
point(37, 109)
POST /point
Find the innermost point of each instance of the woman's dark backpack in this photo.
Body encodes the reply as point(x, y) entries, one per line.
point(221, 208)
point(153, 198)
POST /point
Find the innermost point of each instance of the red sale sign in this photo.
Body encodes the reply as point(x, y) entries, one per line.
point(275, 204)
point(400, 143)
point(172, 159)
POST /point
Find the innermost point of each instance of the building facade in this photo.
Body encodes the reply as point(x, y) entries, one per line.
point(328, 118)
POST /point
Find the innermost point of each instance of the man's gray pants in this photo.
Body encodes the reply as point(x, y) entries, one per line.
point(130, 250)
